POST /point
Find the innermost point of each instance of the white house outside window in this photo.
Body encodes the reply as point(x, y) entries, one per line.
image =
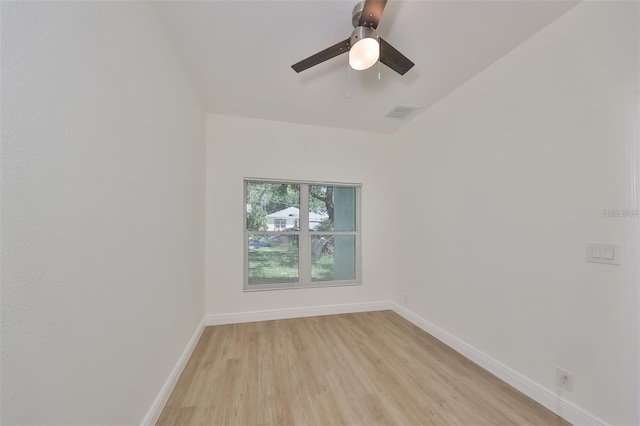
point(301, 234)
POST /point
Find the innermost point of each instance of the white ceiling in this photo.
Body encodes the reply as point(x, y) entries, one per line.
point(239, 54)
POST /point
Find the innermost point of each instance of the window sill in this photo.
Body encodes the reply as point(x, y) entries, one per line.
point(299, 285)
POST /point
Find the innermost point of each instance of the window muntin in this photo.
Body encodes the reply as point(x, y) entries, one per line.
point(301, 234)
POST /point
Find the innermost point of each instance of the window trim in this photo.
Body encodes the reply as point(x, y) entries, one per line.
point(304, 238)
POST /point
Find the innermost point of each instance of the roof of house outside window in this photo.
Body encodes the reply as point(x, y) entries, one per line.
point(295, 212)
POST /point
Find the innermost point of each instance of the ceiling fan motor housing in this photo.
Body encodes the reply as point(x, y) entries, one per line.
point(360, 33)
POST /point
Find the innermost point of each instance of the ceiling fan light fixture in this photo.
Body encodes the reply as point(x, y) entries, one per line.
point(365, 48)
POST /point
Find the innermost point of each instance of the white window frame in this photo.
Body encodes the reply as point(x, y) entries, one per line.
point(304, 238)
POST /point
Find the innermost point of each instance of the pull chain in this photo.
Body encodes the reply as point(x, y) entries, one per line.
point(348, 81)
point(378, 38)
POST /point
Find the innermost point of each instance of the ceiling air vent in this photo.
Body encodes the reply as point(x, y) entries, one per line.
point(401, 111)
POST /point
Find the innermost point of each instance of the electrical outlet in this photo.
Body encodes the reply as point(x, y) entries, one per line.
point(564, 378)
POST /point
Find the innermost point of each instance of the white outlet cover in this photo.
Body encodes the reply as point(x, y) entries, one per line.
point(564, 378)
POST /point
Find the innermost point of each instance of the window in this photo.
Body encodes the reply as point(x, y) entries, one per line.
point(301, 234)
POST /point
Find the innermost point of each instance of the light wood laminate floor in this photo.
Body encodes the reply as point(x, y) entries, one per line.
point(359, 369)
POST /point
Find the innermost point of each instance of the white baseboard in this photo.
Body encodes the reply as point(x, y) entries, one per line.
point(551, 400)
point(165, 392)
point(309, 311)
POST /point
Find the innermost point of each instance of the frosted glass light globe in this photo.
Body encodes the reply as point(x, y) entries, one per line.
point(364, 54)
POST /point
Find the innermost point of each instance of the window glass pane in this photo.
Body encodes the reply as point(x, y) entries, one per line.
point(273, 259)
point(332, 208)
point(333, 257)
point(272, 206)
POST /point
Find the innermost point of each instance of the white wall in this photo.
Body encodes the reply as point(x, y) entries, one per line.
point(241, 147)
point(511, 173)
point(103, 179)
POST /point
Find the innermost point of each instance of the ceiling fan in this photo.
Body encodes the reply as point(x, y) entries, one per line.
point(365, 46)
